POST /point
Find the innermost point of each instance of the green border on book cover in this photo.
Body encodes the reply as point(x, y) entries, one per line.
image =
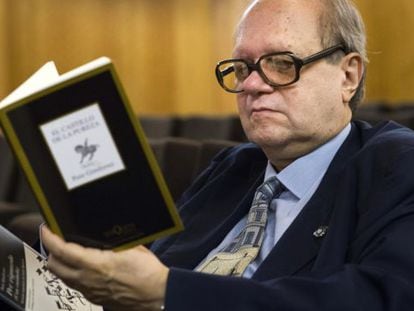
point(10, 134)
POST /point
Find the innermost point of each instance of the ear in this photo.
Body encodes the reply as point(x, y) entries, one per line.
point(353, 69)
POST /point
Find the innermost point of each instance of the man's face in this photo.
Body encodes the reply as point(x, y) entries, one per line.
point(288, 122)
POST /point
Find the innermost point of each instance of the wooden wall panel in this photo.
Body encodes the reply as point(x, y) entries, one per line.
point(165, 50)
point(390, 49)
point(4, 51)
point(193, 51)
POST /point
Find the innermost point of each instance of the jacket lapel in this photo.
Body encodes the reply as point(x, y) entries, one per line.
point(220, 205)
point(215, 210)
point(300, 244)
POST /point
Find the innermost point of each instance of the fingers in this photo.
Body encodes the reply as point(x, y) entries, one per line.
point(71, 254)
point(92, 285)
point(56, 246)
point(124, 280)
point(62, 256)
point(84, 274)
point(63, 271)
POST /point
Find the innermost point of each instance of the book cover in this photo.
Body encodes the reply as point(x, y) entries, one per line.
point(27, 285)
point(87, 159)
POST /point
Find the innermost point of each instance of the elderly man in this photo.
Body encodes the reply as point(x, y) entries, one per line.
point(317, 213)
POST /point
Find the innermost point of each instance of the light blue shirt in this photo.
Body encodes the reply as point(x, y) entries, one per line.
point(301, 179)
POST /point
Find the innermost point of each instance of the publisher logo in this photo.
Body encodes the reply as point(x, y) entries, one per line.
point(86, 151)
point(122, 230)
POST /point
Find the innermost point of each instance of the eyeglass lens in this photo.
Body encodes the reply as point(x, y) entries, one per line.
point(277, 69)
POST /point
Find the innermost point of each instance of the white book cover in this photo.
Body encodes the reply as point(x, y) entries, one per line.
point(82, 135)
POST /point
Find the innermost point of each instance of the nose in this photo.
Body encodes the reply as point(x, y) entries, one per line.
point(254, 83)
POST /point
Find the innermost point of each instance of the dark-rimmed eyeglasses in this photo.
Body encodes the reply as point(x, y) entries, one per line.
point(276, 69)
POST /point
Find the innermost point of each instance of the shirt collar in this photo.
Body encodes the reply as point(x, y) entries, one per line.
point(302, 173)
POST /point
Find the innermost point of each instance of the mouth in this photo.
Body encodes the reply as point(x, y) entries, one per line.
point(262, 111)
point(259, 109)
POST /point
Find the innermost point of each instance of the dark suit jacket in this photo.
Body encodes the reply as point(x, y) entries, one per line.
point(364, 262)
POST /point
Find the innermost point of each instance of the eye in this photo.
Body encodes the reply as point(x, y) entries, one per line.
point(278, 63)
point(241, 71)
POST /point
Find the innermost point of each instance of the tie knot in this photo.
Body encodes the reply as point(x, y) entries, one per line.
point(269, 189)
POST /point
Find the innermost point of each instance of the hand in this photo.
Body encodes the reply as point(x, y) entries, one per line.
point(133, 279)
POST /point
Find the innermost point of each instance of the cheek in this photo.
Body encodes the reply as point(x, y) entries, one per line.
point(319, 100)
point(241, 102)
point(242, 108)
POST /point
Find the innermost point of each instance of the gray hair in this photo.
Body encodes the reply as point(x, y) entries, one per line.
point(341, 23)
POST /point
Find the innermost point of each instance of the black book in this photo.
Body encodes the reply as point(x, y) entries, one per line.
point(87, 159)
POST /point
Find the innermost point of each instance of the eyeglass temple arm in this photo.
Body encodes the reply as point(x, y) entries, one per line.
point(323, 54)
point(227, 71)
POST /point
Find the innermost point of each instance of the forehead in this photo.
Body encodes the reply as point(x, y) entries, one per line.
point(279, 25)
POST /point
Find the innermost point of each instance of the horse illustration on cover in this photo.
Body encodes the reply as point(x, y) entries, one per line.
point(86, 150)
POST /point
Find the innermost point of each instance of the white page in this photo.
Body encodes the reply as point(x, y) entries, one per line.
point(45, 75)
point(48, 76)
point(99, 62)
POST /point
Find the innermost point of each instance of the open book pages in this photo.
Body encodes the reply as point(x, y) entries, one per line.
point(48, 76)
point(27, 285)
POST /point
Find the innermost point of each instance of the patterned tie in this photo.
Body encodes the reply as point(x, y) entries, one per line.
point(235, 257)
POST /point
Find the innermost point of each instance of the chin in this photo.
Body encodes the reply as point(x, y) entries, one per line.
point(268, 138)
point(266, 125)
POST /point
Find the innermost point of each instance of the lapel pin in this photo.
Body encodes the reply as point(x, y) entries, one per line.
point(320, 232)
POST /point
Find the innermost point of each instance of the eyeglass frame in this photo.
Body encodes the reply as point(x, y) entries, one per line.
point(297, 61)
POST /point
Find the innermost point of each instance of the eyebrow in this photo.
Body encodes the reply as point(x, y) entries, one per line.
point(248, 59)
point(270, 50)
